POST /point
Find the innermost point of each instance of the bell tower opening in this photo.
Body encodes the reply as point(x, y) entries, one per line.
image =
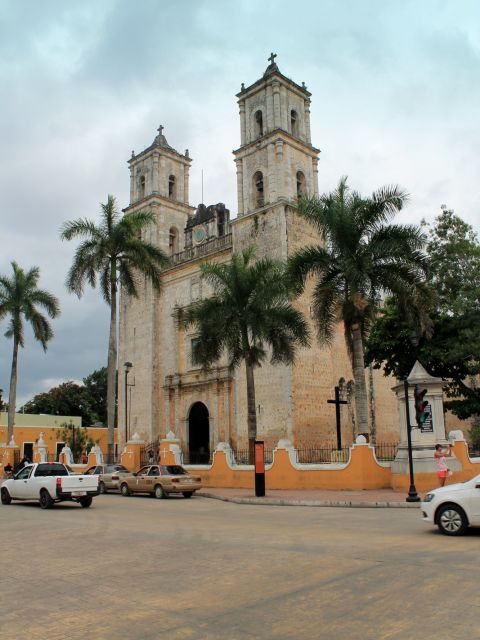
point(300, 184)
point(198, 434)
point(294, 123)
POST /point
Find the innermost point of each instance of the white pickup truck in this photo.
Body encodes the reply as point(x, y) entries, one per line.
point(49, 482)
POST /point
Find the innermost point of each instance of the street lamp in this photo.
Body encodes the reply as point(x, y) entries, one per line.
point(412, 491)
point(127, 366)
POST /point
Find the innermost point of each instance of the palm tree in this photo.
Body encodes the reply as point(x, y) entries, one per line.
point(248, 312)
point(19, 299)
point(115, 252)
point(362, 258)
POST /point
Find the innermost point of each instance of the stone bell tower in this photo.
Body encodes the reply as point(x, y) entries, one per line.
point(276, 161)
point(159, 177)
point(276, 164)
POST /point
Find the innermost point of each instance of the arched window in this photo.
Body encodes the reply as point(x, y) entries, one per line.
point(173, 241)
point(294, 123)
point(258, 195)
point(172, 188)
point(142, 187)
point(300, 184)
point(258, 124)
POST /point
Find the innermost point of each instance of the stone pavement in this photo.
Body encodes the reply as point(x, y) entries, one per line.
point(314, 497)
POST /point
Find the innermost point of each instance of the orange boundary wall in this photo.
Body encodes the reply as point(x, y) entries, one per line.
point(362, 471)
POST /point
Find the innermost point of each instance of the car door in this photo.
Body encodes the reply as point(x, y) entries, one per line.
point(475, 502)
point(151, 479)
point(20, 486)
point(139, 483)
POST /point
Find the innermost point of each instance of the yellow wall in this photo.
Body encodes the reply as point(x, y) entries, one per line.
point(31, 433)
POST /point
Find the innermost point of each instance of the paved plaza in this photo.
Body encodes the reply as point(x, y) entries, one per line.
point(145, 569)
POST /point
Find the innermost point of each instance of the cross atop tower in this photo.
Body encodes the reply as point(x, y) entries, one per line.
point(272, 57)
point(160, 129)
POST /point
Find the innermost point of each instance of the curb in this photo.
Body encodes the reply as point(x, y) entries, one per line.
point(286, 502)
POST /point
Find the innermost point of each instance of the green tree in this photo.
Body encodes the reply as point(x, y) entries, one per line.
point(249, 314)
point(115, 252)
point(451, 350)
point(20, 299)
point(67, 399)
point(76, 438)
point(96, 386)
point(361, 258)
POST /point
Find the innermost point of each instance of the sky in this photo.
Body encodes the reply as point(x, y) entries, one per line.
point(395, 100)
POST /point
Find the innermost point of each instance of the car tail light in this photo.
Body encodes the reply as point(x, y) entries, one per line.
point(115, 478)
point(175, 480)
point(59, 484)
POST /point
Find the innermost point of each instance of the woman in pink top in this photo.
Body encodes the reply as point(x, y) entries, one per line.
point(440, 454)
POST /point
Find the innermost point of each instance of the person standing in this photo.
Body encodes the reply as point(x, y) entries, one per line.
point(441, 454)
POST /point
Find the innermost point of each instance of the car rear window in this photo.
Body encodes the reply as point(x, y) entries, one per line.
point(173, 470)
point(51, 470)
point(114, 467)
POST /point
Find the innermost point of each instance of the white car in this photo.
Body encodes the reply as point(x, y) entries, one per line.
point(49, 482)
point(453, 508)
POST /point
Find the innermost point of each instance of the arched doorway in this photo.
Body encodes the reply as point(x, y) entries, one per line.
point(198, 434)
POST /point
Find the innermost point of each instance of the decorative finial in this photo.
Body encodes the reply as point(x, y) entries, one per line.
point(133, 153)
point(160, 129)
point(304, 86)
point(186, 153)
point(272, 58)
point(242, 88)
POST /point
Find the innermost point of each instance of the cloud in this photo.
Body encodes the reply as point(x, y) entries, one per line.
point(395, 97)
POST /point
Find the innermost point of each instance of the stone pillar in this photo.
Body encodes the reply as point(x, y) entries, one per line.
point(433, 432)
point(155, 173)
point(243, 128)
point(277, 123)
point(308, 134)
point(186, 186)
point(241, 209)
point(170, 451)
point(162, 178)
point(132, 183)
point(9, 453)
point(315, 176)
point(269, 125)
point(131, 455)
point(272, 174)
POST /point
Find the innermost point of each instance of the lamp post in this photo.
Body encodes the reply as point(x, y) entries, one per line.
point(412, 492)
point(127, 366)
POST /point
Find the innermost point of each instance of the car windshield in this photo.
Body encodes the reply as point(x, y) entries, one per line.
point(173, 470)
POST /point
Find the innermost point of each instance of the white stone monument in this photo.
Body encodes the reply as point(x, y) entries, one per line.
point(426, 436)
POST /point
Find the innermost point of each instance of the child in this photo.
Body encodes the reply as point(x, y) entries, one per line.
point(440, 454)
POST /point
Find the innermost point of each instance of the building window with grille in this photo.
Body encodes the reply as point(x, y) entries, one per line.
point(258, 124)
point(172, 187)
point(294, 123)
point(300, 184)
point(173, 241)
point(258, 193)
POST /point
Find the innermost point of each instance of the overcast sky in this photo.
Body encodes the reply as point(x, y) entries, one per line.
point(395, 99)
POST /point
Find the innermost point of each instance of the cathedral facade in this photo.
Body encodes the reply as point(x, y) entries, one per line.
point(275, 164)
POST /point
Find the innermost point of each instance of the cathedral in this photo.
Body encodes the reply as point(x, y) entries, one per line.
point(276, 162)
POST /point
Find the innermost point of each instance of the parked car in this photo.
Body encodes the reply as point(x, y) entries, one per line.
point(49, 482)
point(109, 475)
point(160, 481)
point(453, 508)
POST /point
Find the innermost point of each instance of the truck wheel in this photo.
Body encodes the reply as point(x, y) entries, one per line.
point(187, 494)
point(6, 499)
point(46, 501)
point(86, 502)
point(124, 490)
point(160, 492)
point(452, 520)
point(101, 487)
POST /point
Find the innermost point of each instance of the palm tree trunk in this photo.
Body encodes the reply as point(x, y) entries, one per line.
point(252, 412)
point(12, 395)
point(361, 399)
point(112, 367)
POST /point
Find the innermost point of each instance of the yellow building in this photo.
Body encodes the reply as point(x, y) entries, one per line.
point(28, 428)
